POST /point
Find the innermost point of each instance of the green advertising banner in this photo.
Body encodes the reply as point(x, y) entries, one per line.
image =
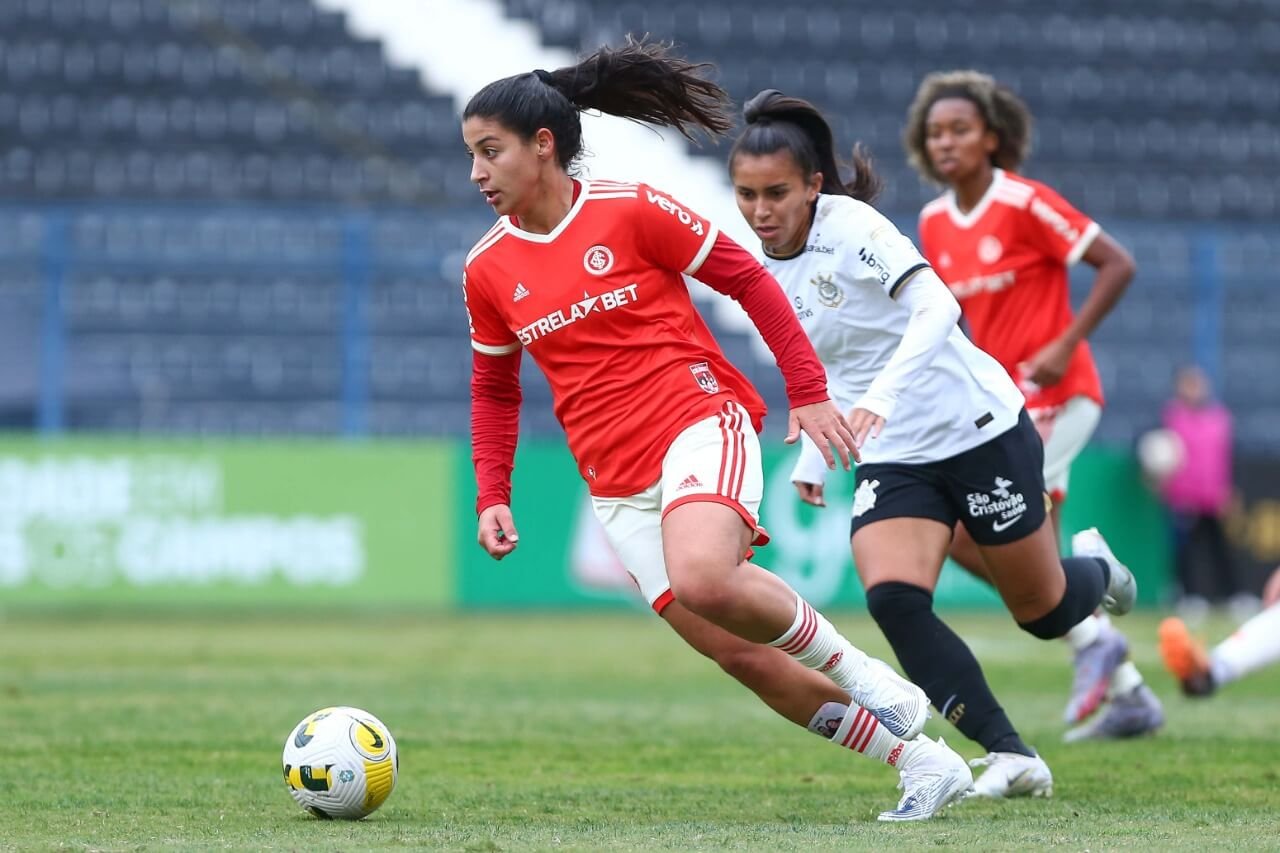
point(282, 523)
point(564, 559)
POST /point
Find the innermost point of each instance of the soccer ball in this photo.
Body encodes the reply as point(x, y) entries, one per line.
point(1160, 453)
point(340, 763)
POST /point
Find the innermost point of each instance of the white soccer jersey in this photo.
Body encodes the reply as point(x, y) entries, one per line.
point(842, 286)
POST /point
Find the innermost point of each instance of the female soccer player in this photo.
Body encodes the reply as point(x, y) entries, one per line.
point(1255, 645)
point(1003, 243)
point(586, 275)
point(943, 434)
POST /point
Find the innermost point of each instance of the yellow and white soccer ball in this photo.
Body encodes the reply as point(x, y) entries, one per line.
point(1160, 453)
point(340, 763)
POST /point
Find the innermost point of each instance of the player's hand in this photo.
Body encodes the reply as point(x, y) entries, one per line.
point(810, 493)
point(864, 422)
point(828, 429)
point(1271, 592)
point(497, 534)
point(1049, 365)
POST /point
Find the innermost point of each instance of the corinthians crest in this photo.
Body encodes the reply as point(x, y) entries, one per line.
point(829, 293)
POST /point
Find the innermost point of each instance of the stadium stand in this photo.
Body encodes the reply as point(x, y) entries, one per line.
point(251, 222)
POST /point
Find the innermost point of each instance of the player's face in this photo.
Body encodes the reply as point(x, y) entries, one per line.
point(775, 198)
point(505, 167)
point(957, 140)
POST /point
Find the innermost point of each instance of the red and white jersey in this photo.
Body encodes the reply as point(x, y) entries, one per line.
point(1006, 263)
point(601, 306)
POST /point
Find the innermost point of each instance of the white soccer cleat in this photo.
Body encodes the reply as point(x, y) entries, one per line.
point(1122, 590)
point(900, 706)
point(932, 777)
point(1011, 774)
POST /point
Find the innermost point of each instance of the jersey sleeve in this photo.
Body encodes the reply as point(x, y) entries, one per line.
point(883, 253)
point(489, 334)
point(669, 234)
point(1063, 232)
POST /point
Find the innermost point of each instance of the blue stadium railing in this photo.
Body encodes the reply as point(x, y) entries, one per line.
point(1188, 275)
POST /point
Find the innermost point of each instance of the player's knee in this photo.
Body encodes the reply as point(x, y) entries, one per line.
point(750, 664)
point(705, 593)
point(1054, 624)
point(893, 603)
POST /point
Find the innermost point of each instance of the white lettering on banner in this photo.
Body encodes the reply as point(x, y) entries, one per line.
point(302, 550)
point(695, 225)
point(87, 522)
point(558, 319)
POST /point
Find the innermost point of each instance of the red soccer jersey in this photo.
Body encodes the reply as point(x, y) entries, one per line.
point(1006, 262)
point(600, 305)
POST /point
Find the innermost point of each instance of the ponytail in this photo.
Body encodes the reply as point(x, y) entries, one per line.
point(641, 81)
point(776, 122)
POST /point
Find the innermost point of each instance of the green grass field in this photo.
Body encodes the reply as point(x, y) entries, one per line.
point(560, 732)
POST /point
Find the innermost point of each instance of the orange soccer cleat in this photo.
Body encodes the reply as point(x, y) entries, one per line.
point(1186, 658)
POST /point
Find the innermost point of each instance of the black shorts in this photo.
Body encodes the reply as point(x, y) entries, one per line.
point(996, 489)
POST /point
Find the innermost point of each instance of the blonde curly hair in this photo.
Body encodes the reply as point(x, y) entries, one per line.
point(1001, 110)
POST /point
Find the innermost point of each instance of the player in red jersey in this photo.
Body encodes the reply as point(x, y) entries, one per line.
point(1003, 244)
point(587, 276)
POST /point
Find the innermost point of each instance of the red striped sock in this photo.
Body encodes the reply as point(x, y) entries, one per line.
point(816, 643)
point(862, 732)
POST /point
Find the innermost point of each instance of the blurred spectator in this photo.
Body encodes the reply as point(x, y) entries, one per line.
point(1198, 493)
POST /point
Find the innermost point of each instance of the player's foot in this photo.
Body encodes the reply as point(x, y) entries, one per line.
point(900, 706)
point(1011, 774)
point(1122, 589)
point(1094, 666)
point(1185, 658)
point(932, 777)
point(1135, 713)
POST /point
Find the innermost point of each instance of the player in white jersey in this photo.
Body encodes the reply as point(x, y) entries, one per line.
point(941, 427)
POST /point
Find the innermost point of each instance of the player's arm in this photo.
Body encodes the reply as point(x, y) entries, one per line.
point(731, 270)
point(934, 313)
point(1115, 267)
point(495, 428)
point(674, 238)
point(495, 417)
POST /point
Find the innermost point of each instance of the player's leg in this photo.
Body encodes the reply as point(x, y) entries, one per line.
point(997, 489)
point(1254, 645)
point(712, 484)
point(899, 541)
point(932, 774)
point(1101, 663)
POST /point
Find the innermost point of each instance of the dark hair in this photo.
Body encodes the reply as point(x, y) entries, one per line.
point(776, 122)
point(1002, 111)
point(641, 81)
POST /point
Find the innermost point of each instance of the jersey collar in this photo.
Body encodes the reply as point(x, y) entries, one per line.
point(514, 230)
point(966, 220)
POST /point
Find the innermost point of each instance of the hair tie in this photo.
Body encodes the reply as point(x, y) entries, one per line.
point(544, 76)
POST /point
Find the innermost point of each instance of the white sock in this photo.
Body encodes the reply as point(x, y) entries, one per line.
point(1084, 634)
point(1125, 679)
point(1255, 644)
point(862, 732)
point(816, 643)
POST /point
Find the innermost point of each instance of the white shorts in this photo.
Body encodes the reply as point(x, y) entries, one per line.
point(1065, 430)
point(717, 459)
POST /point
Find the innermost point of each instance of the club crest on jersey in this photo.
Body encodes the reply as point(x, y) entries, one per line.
point(989, 249)
point(829, 293)
point(598, 260)
point(706, 379)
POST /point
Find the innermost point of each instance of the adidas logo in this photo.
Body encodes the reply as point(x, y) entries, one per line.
point(521, 292)
point(690, 482)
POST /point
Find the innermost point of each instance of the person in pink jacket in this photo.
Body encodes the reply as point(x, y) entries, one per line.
point(1198, 492)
